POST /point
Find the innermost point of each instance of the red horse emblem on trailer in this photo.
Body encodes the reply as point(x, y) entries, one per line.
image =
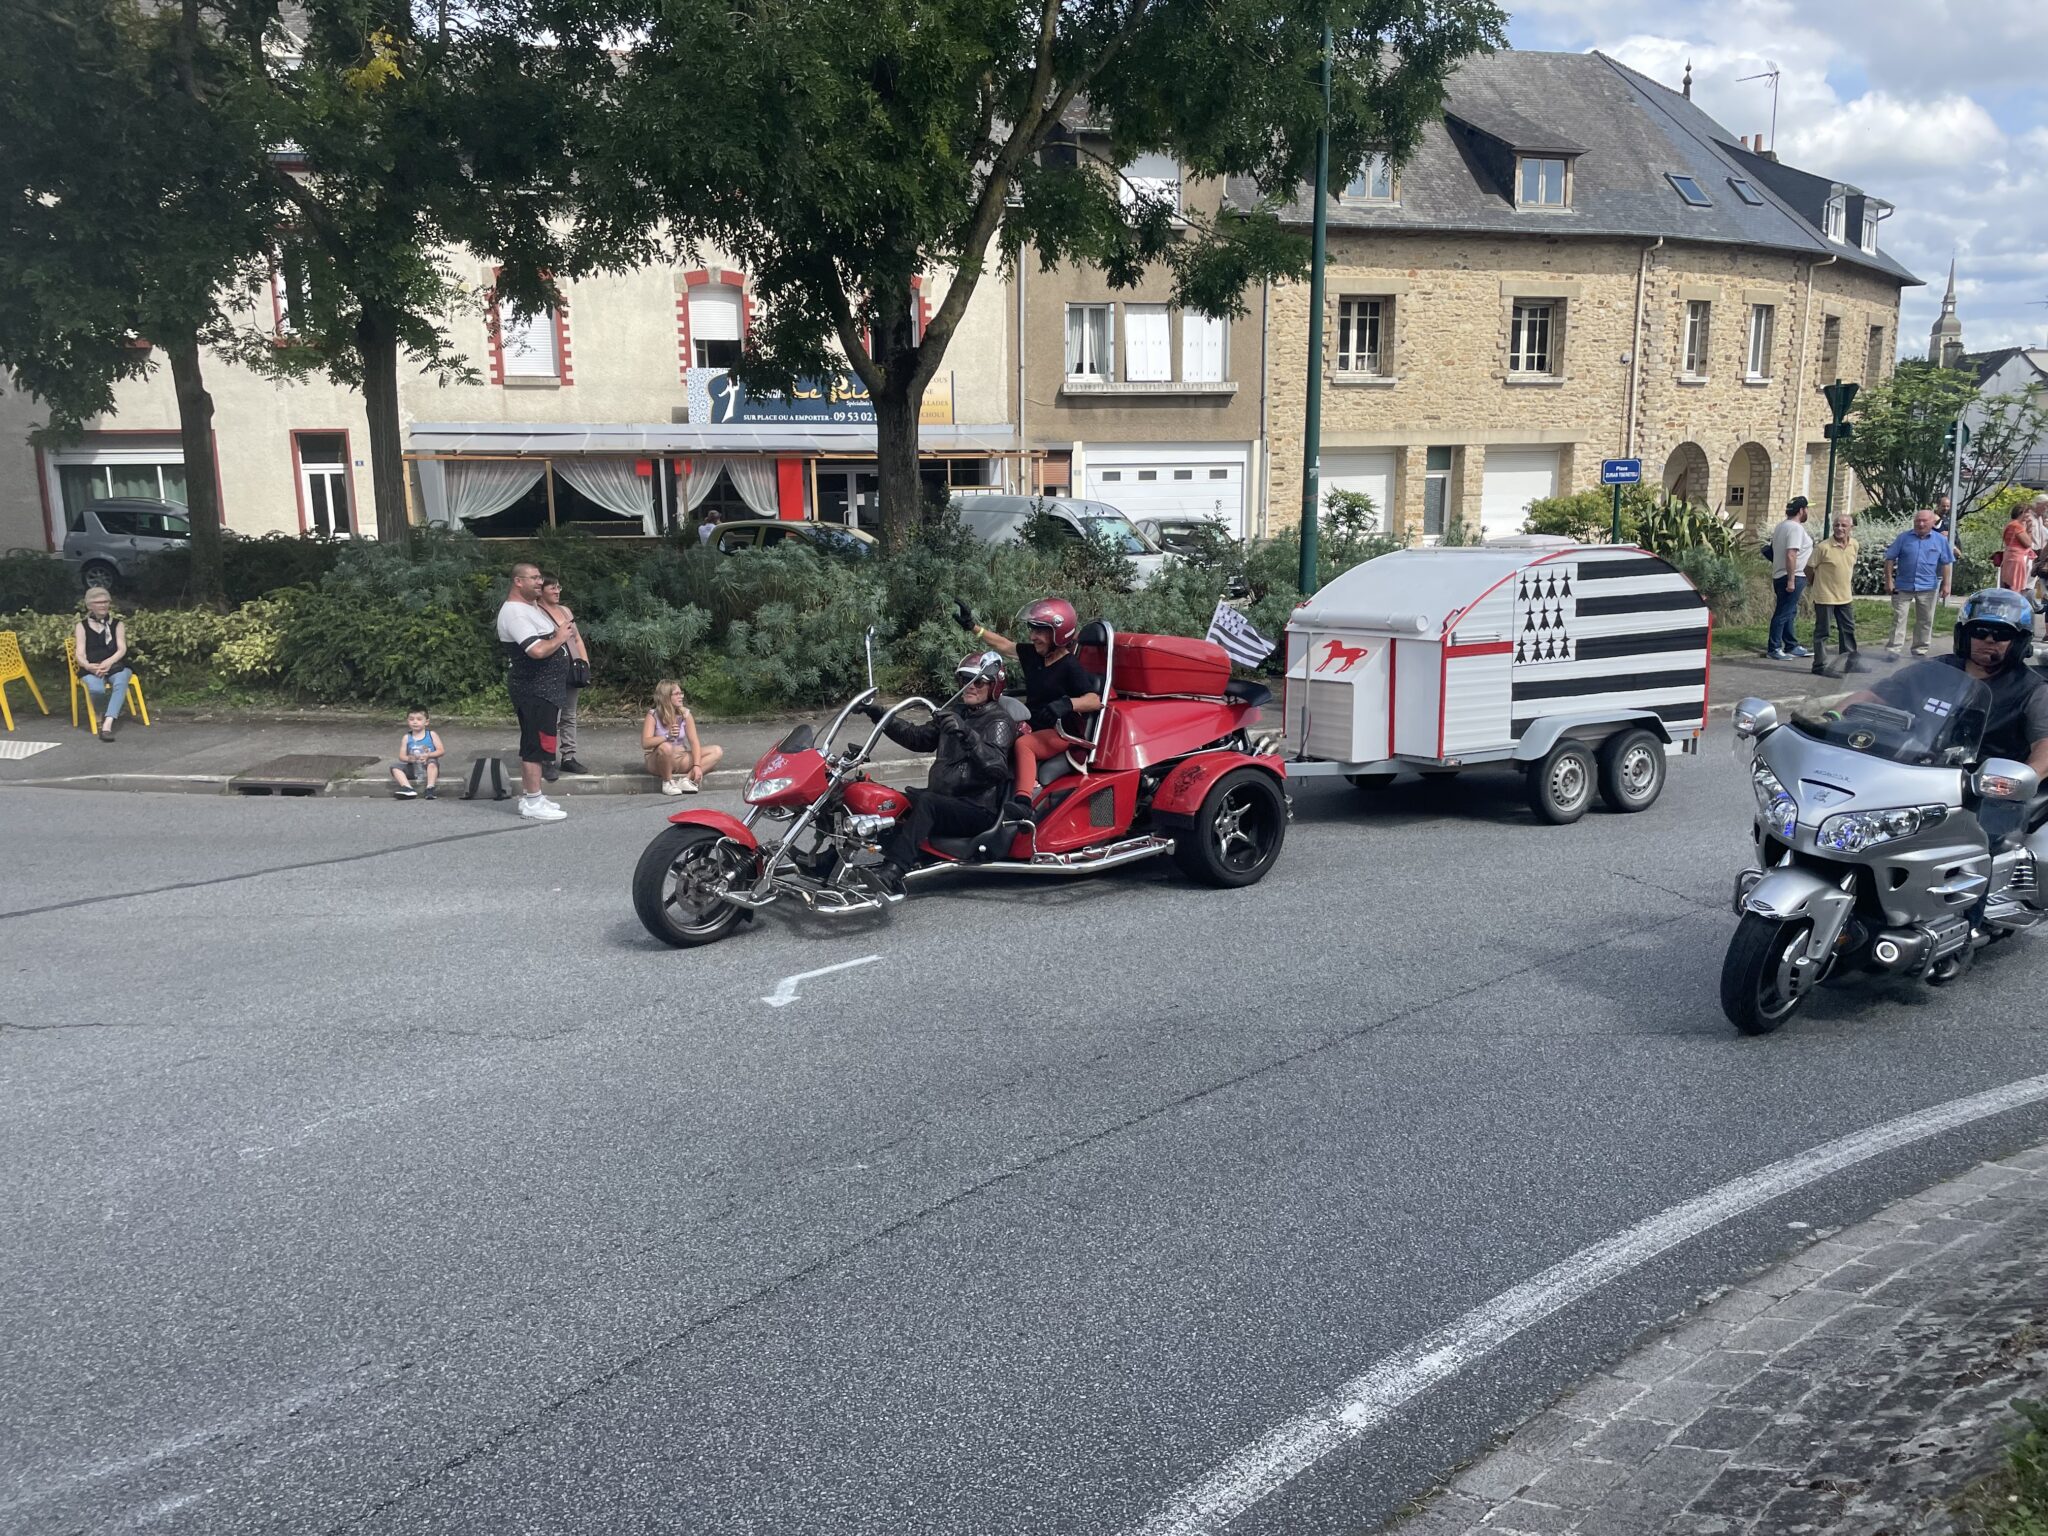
point(1336, 650)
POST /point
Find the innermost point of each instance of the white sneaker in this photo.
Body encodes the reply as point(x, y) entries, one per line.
point(687, 785)
point(540, 808)
point(671, 786)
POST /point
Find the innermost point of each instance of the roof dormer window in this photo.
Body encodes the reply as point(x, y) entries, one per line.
point(1873, 211)
point(1542, 182)
point(1835, 220)
point(1374, 182)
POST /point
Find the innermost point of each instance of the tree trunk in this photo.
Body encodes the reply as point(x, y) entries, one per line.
point(202, 485)
point(898, 404)
point(377, 344)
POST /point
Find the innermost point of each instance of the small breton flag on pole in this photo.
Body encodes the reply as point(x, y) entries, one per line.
point(1234, 632)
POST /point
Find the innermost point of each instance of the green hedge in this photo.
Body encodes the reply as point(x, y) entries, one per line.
point(774, 629)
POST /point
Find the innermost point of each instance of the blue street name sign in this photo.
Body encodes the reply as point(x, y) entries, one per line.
point(1621, 471)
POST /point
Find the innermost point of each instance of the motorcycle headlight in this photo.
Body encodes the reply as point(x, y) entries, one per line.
point(1854, 831)
point(1780, 811)
point(762, 789)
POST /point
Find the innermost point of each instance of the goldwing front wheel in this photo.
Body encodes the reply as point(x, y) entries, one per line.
point(1761, 986)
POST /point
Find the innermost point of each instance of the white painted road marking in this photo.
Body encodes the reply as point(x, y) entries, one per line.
point(785, 989)
point(1284, 1453)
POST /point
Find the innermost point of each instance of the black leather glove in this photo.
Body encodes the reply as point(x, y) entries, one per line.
point(873, 710)
point(962, 614)
point(951, 724)
point(1060, 709)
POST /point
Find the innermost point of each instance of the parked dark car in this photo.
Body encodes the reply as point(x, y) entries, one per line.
point(767, 532)
point(1182, 535)
point(114, 537)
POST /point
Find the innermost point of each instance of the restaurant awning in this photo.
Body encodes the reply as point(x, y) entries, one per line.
point(778, 439)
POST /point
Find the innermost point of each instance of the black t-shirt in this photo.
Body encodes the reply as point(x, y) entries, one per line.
point(1045, 681)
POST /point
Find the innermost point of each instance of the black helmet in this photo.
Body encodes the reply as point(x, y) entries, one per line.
point(1996, 614)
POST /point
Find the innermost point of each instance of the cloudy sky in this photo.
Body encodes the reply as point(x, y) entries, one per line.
point(1936, 105)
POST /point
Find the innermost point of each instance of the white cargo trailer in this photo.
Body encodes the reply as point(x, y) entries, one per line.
point(1583, 664)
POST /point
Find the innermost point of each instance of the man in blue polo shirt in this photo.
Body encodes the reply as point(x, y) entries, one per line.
point(1917, 569)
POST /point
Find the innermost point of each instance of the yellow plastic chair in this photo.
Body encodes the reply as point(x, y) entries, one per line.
point(80, 692)
point(12, 666)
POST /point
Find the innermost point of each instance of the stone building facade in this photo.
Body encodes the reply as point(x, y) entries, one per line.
point(1649, 325)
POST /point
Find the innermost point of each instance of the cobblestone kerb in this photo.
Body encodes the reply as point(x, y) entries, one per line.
point(1852, 1390)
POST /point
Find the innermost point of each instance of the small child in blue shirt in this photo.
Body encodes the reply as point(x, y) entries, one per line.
point(419, 759)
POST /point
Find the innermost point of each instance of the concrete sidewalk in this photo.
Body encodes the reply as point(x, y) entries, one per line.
point(1853, 1390)
point(199, 752)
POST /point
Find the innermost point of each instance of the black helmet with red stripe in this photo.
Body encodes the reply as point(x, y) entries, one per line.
point(1055, 614)
point(982, 667)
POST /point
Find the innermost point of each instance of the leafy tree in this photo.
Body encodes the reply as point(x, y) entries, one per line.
point(112, 248)
point(410, 133)
point(1898, 446)
point(836, 149)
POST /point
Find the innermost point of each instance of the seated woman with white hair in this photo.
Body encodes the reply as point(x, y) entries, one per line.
point(99, 644)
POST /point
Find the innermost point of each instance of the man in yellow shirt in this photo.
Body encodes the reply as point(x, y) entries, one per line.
point(1833, 566)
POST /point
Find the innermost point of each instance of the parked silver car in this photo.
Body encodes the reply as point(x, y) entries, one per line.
point(114, 537)
point(1000, 520)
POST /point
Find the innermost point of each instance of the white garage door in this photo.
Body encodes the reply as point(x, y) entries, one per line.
point(1513, 478)
point(1360, 469)
point(1166, 482)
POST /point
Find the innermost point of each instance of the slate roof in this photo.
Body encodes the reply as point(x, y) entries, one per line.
point(1627, 133)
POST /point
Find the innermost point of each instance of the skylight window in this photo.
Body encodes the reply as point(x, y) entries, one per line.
point(1689, 189)
point(1746, 192)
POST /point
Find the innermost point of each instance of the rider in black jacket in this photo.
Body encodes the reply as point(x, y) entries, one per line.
point(972, 738)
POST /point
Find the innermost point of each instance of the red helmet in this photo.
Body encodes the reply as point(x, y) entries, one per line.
point(982, 667)
point(1053, 613)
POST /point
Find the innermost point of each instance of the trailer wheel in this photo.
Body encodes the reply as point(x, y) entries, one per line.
point(1631, 771)
point(1561, 785)
point(1371, 780)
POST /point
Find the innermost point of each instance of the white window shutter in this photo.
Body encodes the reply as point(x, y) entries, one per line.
point(1201, 349)
point(528, 343)
point(1148, 342)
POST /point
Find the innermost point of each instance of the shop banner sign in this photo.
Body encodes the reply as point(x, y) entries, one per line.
point(716, 399)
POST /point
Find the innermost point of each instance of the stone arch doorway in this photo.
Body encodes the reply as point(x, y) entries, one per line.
point(1749, 486)
point(1685, 474)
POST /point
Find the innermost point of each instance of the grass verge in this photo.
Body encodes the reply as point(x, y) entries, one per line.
point(2013, 1501)
point(1873, 628)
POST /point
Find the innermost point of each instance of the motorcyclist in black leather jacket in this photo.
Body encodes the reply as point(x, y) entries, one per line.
point(971, 738)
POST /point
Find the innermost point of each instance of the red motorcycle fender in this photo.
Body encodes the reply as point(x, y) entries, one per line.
point(720, 821)
point(1183, 790)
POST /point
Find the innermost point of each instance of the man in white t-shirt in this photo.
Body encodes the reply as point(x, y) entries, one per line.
point(1791, 549)
point(538, 650)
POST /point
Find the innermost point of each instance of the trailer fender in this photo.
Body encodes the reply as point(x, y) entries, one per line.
point(1547, 732)
point(719, 821)
point(1182, 791)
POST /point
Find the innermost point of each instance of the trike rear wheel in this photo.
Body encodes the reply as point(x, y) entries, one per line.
point(1237, 832)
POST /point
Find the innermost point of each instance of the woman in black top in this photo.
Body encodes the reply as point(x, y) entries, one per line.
point(1056, 687)
point(99, 644)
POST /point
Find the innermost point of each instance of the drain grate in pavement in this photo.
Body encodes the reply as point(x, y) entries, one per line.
point(13, 751)
point(297, 773)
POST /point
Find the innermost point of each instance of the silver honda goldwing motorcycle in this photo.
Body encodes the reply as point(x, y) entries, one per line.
point(1882, 845)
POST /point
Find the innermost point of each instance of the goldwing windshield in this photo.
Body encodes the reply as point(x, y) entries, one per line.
point(1925, 714)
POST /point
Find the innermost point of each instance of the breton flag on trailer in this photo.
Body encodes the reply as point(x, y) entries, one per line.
point(1234, 632)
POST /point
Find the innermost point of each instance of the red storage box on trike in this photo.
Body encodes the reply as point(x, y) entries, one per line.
point(1161, 666)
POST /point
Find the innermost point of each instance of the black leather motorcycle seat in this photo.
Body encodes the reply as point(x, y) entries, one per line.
point(2037, 813)
point(996, 840)
point(1245, 691)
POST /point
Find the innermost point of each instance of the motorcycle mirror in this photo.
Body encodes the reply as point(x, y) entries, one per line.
point(2003, 779)
point(1755, 717)
point(868, 644)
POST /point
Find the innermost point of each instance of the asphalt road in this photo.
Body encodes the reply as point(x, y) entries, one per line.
point(368, 1170)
